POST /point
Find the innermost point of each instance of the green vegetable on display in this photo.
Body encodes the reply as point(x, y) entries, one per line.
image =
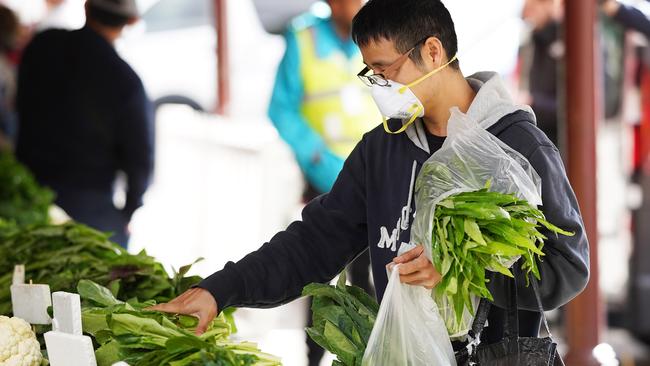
point(126, 331)
point(61, 256)
point(22, 200)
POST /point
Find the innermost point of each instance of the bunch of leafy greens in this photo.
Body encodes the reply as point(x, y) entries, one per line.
point(22, 199)
point(7, 228)
point(475, 231)
point(61, 256)
point(126, 331)
point(343, 317)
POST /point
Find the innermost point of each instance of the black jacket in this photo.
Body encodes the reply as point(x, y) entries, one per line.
point(83, 116)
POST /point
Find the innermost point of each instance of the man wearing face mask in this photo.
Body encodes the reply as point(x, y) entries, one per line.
point(410, 48)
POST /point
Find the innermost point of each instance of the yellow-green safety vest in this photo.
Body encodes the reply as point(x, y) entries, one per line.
point(336, 104)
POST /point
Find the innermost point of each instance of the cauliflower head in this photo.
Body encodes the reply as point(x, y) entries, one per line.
point(18, 344)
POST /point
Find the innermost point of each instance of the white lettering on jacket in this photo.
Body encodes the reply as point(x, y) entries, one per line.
point(389, 241)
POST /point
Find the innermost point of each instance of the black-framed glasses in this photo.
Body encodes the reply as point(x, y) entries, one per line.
point(382, 77)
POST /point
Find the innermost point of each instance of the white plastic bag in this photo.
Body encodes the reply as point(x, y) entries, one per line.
point(409, 330)
point(469, 158)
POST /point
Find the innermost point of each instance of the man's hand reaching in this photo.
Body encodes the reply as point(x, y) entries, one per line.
point(196, 302)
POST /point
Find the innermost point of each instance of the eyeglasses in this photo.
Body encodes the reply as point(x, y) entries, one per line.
point(381, 78)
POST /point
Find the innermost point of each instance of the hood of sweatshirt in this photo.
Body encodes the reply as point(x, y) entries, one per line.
point(492, 102)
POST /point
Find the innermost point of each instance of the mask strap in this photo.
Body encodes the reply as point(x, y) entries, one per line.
point(418, 80)
point(417, 108)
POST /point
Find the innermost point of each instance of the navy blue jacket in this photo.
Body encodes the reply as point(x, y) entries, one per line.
point(83, 116)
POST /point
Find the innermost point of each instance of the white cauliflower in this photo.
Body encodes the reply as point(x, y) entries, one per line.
point(18, 344)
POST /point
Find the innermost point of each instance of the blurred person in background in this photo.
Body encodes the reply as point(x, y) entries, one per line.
point(321, 109)
point(9, 27)
point(540, 61)
point(84, 116)
point(628, 16)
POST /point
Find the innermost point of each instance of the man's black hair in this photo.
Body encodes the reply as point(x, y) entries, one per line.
point(107, 18)
point(405, 23)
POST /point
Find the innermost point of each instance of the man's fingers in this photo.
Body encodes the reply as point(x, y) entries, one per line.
point(169, 307)
point(415, 265)
point(180, 304)
point(410, 255)
point(413, 278)
point(421, 279)
point(205, 318)
point(203, 324)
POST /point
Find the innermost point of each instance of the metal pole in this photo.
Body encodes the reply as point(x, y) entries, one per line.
point(585, 314)
point(223, 80)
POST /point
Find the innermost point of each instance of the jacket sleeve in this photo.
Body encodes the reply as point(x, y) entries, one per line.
point(564, 268)
point(316, 161)
point(633, 18)
point(136, 147)
point(332, 233)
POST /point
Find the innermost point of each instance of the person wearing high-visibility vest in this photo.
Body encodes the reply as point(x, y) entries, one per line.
point(321, 109)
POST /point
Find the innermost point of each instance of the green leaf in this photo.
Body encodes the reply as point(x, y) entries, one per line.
point(446, 203)
point(494, 264)
point(459, 229)
point(89, 290)
point(446, 266)
point(343, 347)
point(108, 354)
point(474, 231)
point(500, 249)
point(318, 337)
point(554, 228)
point(342, 279)
point(184, 344)
point(452, 287)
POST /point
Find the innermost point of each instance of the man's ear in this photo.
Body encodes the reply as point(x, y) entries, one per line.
point(132, 20)
point(433, 51)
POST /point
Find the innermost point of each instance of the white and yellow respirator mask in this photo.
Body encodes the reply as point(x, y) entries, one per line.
point(396, 100)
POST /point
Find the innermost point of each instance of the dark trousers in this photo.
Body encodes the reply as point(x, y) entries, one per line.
point(95, 209)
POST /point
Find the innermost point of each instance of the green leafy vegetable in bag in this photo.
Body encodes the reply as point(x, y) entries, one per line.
point(475, 231)
point(343, 317)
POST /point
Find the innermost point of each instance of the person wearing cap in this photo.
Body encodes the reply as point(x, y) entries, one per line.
point(84, 117)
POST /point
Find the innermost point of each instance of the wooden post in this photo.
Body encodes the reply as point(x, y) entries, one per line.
point(585, 314)
point(223, 79)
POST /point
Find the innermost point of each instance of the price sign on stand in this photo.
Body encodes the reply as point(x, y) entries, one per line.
point(29, 301)
point(65, 343)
